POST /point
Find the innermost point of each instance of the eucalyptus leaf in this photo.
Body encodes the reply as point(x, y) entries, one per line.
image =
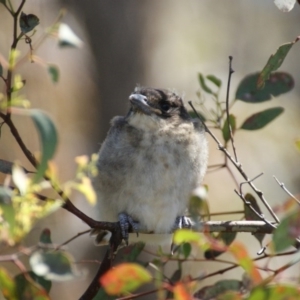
point(214, 80)
point(203, 84)
point(274, 62)
point(53, 71)
point(225, 129)
point(252, 216)
point(27, 290)
point(7, 285)
point(53, 265)
point(28, 22)
point(277, 84)
point(287, 231)
point(48, 139)
point(45, 236)
point(261, 119)
point(186, 249)
point(219, 288)
point(227, 238)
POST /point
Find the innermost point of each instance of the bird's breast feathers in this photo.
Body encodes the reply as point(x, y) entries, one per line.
point(160, 163)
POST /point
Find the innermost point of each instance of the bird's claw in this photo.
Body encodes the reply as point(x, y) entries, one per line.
point(182, 222)
point(125, 222)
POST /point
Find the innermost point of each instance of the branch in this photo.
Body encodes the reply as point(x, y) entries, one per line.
point(68, 205)
point(238, 167)
point(106, 264)
point(235, 226)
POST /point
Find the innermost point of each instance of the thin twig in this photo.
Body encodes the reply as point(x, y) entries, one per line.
point(68, 205)
point(216, 166)
point(231, 71)
point(72, 238)
point(134, 296)
point(222, 271)
point(238, 167)
point(261, 216)
point(223, 213)
point(251, 180)
point(286, 190)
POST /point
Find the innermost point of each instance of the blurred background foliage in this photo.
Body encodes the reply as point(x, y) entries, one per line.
point(160, 44)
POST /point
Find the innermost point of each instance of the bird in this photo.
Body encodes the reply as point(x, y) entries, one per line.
point(148, 165)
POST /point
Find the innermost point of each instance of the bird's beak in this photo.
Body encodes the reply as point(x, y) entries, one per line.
point(139, 103)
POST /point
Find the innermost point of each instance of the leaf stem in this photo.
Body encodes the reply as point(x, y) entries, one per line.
point(13, 47)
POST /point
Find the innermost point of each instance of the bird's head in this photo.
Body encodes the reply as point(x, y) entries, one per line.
point(158, 104)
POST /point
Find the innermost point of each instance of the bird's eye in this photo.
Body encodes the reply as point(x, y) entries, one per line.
point(165, 106)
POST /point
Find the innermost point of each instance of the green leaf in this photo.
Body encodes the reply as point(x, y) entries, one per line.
point(274, 62)
point(53, 265)
point(53, 71)
point(203, 84)
point(287, 231)
point(277, 291)
point(227, 238)
point(27, 290)
point(7, 285)
point(219, 288)
point(134, 252)
point(186, 249)
point(48, 139)
point(28, 22)
point(277, 84)
point(45, 236)
point(261, 119)
point(67, 38)
point(102, 295)
point(225, 130)
point(8, 217)
point(176, 276)
point(214, 80)
point(250, 215)
point(46, 284)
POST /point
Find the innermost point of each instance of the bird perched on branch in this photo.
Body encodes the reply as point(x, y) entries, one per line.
point(149, 163)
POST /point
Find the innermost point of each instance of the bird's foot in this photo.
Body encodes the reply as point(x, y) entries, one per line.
point(182, 222)
point(125, 222)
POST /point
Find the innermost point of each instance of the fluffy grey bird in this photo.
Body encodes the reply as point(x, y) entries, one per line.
point(149, 163)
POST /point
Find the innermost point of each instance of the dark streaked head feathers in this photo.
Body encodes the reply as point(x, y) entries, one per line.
point(162, 102)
